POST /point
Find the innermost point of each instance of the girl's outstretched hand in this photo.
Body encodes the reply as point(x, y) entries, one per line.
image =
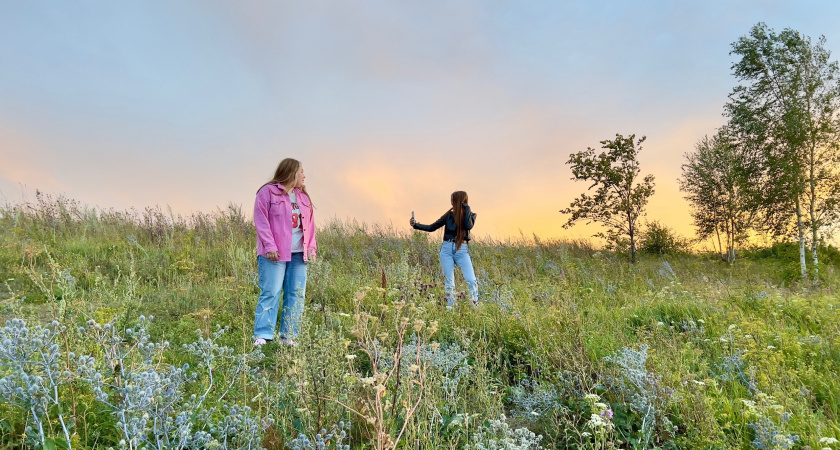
point(412, 221)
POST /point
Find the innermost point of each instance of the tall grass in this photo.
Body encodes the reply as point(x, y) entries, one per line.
point(570, 346)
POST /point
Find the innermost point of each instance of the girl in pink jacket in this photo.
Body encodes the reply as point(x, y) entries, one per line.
point(285, 244)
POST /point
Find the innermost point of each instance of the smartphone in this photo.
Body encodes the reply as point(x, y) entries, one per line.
point(412, 214)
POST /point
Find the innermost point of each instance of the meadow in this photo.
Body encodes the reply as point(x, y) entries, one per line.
point(132, 329)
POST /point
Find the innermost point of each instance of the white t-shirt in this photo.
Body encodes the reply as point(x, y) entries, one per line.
point(297, 224)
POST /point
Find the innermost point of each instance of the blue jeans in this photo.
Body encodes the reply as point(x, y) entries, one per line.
point(449, 258)
point(290, 277)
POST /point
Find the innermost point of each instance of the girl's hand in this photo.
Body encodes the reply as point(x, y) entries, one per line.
point(412, 221)
point(272, 256)
point(312, 256)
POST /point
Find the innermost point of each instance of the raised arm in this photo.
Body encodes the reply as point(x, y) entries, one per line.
point(438, 223)
point(469, 217)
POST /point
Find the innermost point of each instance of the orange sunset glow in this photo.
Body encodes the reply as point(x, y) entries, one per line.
point(390, 107)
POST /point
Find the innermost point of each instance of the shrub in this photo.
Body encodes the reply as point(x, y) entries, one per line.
point(658, 239)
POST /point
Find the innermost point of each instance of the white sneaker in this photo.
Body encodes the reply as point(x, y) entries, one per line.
point(260, 342)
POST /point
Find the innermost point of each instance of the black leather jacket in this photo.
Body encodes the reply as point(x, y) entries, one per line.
point(448, 219)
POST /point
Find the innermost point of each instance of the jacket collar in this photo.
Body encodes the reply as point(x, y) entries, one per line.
point(276, 188)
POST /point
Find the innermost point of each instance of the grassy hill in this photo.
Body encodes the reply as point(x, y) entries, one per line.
point(133, 330)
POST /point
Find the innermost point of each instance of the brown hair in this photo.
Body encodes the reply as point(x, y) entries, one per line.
point(287, 176)
point(458, 199)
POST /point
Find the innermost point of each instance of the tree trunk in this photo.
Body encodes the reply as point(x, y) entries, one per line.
point(803, 267)
point(811, 210)
point(730, 242)
point(632, 245)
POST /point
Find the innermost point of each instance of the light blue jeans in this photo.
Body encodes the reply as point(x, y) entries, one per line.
point(290, 277)
point(449, 258)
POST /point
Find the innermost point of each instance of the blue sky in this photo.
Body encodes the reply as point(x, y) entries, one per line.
point(390, 105)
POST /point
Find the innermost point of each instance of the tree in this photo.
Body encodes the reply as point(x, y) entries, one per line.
point(720, 180)
point(618, 201)
point(788, 108)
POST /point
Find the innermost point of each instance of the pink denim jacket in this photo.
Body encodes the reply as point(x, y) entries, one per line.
point(273, 220)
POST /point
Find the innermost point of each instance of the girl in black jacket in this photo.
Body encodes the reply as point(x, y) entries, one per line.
point(458, 222)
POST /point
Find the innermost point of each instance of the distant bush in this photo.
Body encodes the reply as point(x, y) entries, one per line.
point(785, 257)
point(658, 239)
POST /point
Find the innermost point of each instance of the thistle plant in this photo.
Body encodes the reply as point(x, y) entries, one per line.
point(770, 422)
point(647, 397)
point(324, 440)
point(446, 361)
point(496, 434)
point(36, 373)
point(149, 399)
point(531, 400)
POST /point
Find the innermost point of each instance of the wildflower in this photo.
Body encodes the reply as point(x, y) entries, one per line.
point(770, 347)
point(661, 324)
point(828, 441)
point(731, 327)
point(350, 357)
point(433, 327)
point(596, 421)
point(747, 336)
point(701, 321)
point(593, 397)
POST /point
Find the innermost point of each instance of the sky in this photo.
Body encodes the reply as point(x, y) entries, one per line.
point(389, 105)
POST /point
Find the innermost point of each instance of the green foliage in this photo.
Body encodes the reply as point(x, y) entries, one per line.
point(555, 344)
point(722, 182)
point(658, 239)
point(786, 111)
point(619, 201)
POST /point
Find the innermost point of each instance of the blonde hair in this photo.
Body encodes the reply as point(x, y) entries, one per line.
point(287, 175)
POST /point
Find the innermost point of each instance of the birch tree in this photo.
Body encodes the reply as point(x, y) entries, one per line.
point(788, 107)
point(721, 180)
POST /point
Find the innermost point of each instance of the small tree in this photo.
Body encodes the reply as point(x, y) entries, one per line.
point(722, 181)
point(619, 200)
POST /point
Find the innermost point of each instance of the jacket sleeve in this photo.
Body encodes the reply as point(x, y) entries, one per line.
point(438, 223)
point(469, 217)
point(313, 244)
point(261, 210)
